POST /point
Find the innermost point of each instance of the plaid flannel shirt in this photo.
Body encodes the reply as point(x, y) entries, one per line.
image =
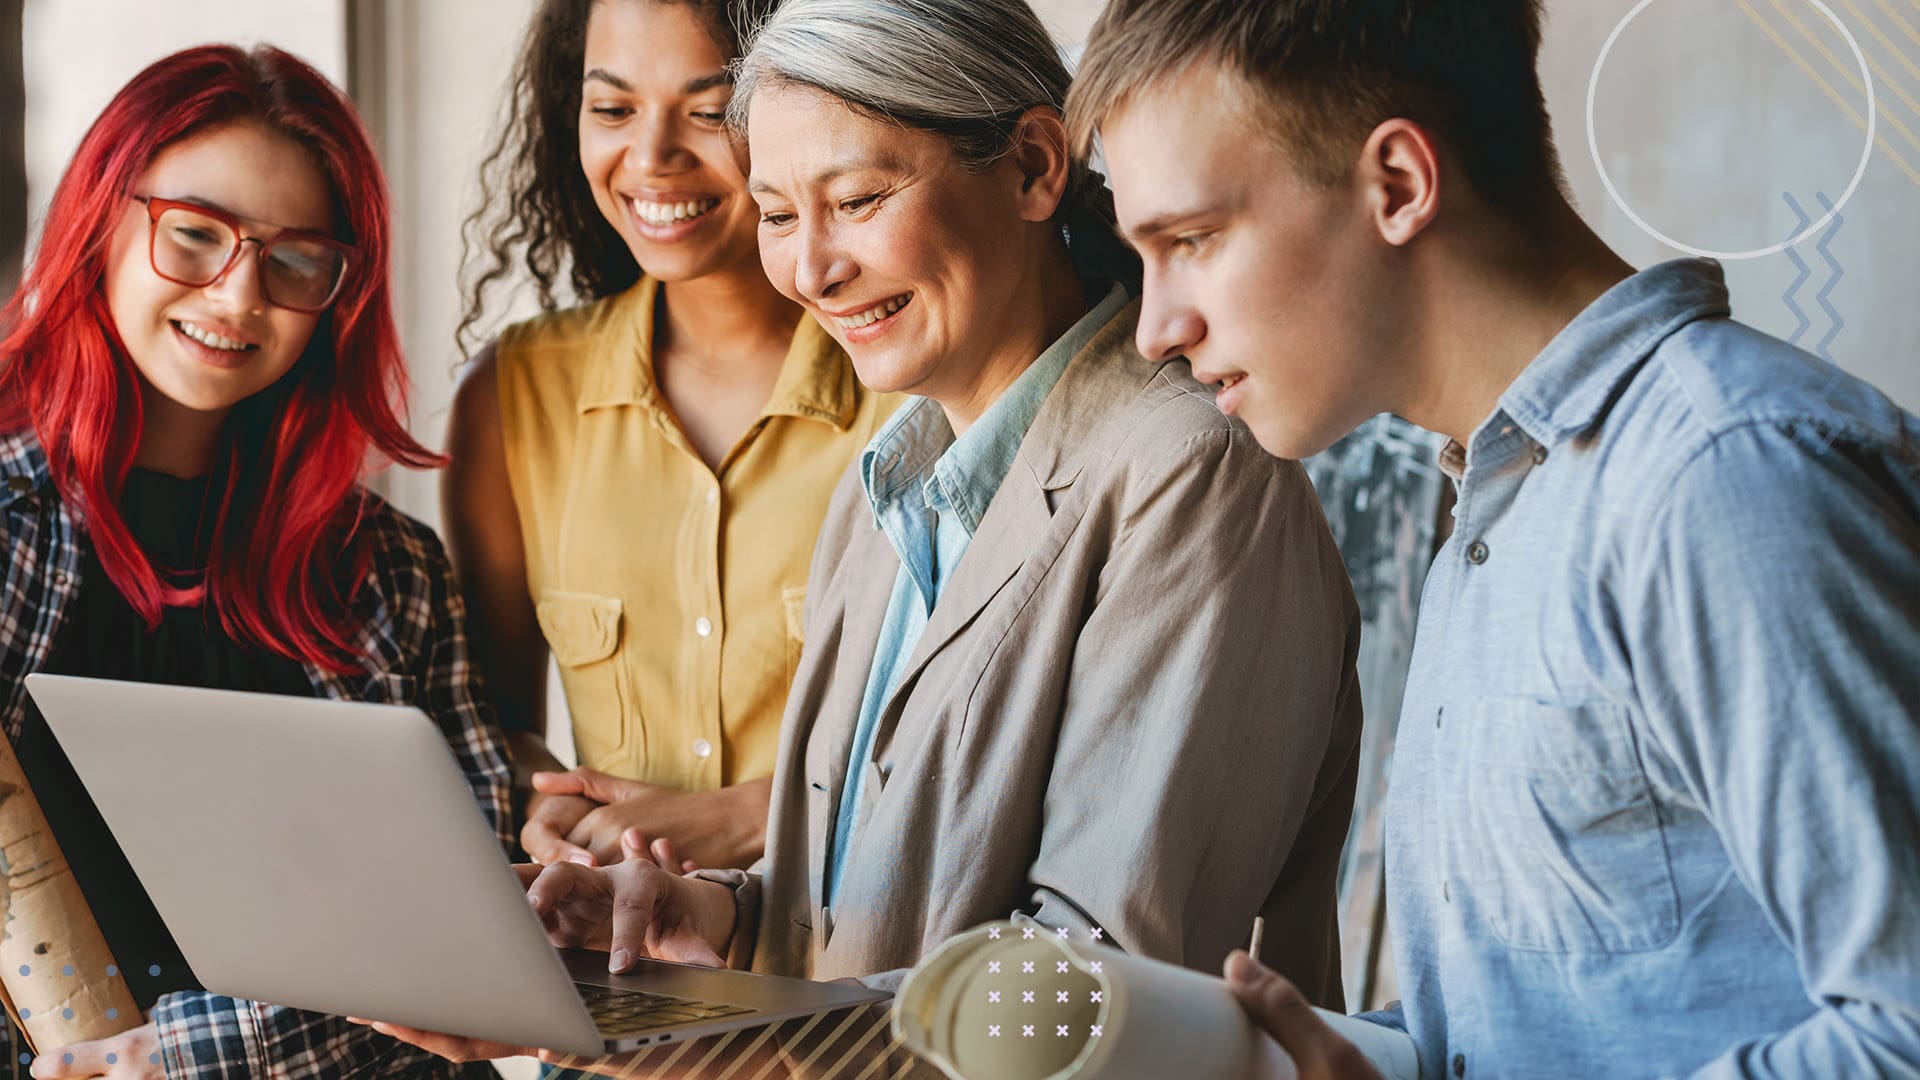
point(413, 633)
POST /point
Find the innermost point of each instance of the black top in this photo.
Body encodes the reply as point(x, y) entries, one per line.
point(102, 637)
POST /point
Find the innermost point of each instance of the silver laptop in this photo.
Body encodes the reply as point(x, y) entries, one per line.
point(329, 856)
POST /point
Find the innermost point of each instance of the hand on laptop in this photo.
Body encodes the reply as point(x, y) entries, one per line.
point(633, 909)
point(713, 828)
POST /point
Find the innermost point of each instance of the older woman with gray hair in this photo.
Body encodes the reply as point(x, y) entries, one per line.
point(1077, 651)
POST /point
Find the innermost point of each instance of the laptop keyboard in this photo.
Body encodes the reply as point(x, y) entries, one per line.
point(627, 1012)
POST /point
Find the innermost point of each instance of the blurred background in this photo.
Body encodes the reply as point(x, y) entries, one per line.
point(1726, 125)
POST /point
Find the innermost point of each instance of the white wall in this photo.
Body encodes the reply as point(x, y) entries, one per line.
point(78, 53)
point(1704, 120)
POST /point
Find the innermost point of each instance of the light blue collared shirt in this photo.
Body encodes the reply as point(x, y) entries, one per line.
point(1655, 805)
point(928, 491)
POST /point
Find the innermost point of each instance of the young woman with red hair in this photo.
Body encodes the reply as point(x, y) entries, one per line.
point(196, 375)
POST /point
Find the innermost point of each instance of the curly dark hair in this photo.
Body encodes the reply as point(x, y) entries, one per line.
point(536, 209)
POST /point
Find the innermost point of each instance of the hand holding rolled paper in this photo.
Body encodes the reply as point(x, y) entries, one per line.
point(59, 978)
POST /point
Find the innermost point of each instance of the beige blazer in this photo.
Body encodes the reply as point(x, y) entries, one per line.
point(1134, 706)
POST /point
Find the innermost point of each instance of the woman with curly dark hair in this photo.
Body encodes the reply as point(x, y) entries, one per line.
point(637, 481)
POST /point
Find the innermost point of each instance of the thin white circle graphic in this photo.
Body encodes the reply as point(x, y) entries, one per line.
point(1866, 152)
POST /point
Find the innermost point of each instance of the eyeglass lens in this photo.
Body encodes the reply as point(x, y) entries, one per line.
point(193, 248)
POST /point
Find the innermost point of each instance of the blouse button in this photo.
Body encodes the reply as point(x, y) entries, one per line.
point(703, 626)
point(1476, 553)
point(702, 748)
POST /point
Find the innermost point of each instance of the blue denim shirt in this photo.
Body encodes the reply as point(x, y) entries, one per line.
point(929, 491)
point(1655, 805)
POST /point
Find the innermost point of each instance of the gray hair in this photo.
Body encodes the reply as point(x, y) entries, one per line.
point(962, 69)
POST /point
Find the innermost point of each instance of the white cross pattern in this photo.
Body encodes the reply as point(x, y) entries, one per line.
point(1096, 1031)
point(1026, 967)
point(1096, 967)
point(993, 997)
point(1096, 997)
point(1026, 996)
point(1060, 996)
point(1060, 966)
point(1026, 1031)
point(1027, 934)
point(1060, 1030)
point(993, 1031)
point(1062, 932)
point(993, 966)
point(994, 933)
point(1096, 932)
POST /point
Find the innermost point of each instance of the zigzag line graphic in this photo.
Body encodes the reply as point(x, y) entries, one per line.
point(1799, 264)
point(1838, 273)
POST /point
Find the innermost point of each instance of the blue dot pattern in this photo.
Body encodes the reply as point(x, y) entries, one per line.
point(154, 971)
point(68, 1059)
point(26, 1014)
point(113, 1014)
point(67, 971)
point(112, 970)
point(66, 1014)
point(154, 1058)
point(113, 1059)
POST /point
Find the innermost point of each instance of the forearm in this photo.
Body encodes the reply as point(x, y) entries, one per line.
point(1852, 1039)
point(530, 755)
point(745, 813)
point(205, 1035)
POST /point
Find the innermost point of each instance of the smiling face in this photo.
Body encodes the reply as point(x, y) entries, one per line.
point(208, 348)
point(653, 139)
point(913, 263)
point(1269, 284)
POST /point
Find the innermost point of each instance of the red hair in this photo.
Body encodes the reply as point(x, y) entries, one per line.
point(286, 555)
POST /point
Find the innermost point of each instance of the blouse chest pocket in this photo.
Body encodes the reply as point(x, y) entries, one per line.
point(584, 631)
point(793, 602)
point(1562, 830)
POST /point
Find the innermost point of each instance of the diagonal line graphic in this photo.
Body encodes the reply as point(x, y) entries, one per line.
point(1800, 265)
point(1887, 80)
point(1846, 106)
point(1893, 49)
point(1905, 26)
point(1851, 73)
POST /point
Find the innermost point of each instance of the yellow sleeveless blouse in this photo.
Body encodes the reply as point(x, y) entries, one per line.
point(670, 595)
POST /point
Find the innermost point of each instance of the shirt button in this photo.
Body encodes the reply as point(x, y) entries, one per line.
point(1539, 455)
point(1459, 1064)
point(703, 626)
point(702, 748)
point(1476, 553)
point(713, 496)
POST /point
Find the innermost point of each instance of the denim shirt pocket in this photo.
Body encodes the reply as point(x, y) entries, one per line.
point(1563, 831)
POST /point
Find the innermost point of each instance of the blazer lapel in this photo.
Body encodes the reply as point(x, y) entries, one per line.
point(872, 565)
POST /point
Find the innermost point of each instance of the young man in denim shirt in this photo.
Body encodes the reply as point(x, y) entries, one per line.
point(1655, 805)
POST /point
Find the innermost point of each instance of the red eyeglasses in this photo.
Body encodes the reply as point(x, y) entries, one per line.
point(195, 245)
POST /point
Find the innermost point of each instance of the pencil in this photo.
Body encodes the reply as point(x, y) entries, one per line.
point(1259, 930)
